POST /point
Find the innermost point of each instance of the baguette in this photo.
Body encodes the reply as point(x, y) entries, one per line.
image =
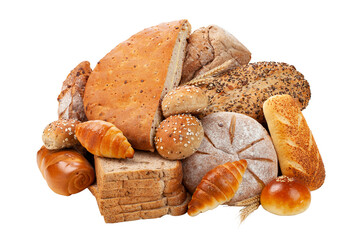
point(296, 148)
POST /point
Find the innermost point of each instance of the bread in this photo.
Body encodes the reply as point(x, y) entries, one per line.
point(209, 47)
point(148, 214)
point(103, 139)
point(296, 148)
point(245, 89)
point(217, 187)
point(144, 165)
point(60, 134)
point(127, 85)
point(178, 136)
point(72, 92)
point(172, 199)
point(285, 196)
point(229, 137)
point(184, 99)
point(66, 171)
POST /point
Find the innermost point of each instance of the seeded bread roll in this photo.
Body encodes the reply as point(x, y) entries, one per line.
point(60, 134)
point(185, 99)
point(178, 136)
point(244, 89)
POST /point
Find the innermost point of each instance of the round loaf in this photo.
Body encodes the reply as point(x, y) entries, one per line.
point(60, 134)
point(229, 137)
point(184, 99)
point(285, 196)
point(178, 136)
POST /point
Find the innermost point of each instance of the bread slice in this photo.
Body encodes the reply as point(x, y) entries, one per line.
point(144, 165)
point(296, 148)
point(148, 214)
point(126, 86)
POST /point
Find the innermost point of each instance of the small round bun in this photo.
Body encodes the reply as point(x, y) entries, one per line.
point(285, 196)
point(184, 99)
point(60, 134)
point(178, 136)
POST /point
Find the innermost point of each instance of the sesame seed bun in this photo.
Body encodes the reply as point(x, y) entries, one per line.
point(178, 136)
point(60, 134)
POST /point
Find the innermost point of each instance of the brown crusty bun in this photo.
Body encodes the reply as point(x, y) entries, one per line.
point(244, 89)
point(184, 99)
point(178, 136)
point(285, 196)
point(296, 148)
point(60, 134)
point(126, 86)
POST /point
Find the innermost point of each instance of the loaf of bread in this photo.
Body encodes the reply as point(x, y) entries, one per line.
point(244, 89)
point(184, 99)
point(127, 85)
point(217, 187)
point(178, 136)
point(72, 92)
point(229, 137)
point(66, 171)
point(296, 148)
point(103, 139)
point(208, 48)
point(60, 134)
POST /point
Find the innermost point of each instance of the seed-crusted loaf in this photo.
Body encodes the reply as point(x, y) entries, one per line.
point(144, 165)
point(244, 89)
point(126, 86)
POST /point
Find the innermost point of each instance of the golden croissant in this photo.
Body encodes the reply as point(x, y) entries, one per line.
point(218, 186)
point(66, 171)
point(103, 139)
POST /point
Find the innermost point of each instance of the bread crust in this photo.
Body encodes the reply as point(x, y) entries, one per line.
point(296, 148)
point(126, 86)
point(60, 134)
point(244, 89)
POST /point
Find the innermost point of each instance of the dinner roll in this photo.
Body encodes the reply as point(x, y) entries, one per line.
point(60, 134)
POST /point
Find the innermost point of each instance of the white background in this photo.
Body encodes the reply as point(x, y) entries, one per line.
point(41, 41)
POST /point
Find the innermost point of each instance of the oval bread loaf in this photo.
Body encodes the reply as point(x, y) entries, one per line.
point(60, 134)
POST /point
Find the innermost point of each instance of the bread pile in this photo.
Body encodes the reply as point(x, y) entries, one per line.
point(170, 122)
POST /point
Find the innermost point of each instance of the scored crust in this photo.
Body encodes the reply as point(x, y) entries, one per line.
point(229, 137)
point(126, 86)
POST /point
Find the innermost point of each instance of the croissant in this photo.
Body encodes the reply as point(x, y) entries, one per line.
point(103, 139)
point(66, 171)
point(217, 187)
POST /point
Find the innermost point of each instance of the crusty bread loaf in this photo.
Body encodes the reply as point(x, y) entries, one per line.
point(296, 148)
point(144, 165)
point(184, 99)
point(209, 47)
point(178, 136)
point(60, 134)
point(229, 137)
point(127, 85)
point(72, 92)
point(244, 89)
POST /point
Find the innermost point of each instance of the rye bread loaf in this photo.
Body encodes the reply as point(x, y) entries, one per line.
point(229, 137)
point(143, 165)
point(209, 47)
point(126, 86)
point(149, 214)
point(244, 89)
point(296, 148)
point(72, 92)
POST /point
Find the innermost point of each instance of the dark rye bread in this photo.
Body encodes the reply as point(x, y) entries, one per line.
point(144, 165)
point(127, 85)
point(244, 89)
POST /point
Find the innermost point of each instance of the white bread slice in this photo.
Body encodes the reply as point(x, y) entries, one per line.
point(127, 85)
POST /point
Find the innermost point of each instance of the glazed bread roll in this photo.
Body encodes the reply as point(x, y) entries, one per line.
point(178, 136)
point(296, 148)
point(103, 139)
point(244, 89)
point(184, 99)
point(60, 134)
point(217, 187)
point(66, 171)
